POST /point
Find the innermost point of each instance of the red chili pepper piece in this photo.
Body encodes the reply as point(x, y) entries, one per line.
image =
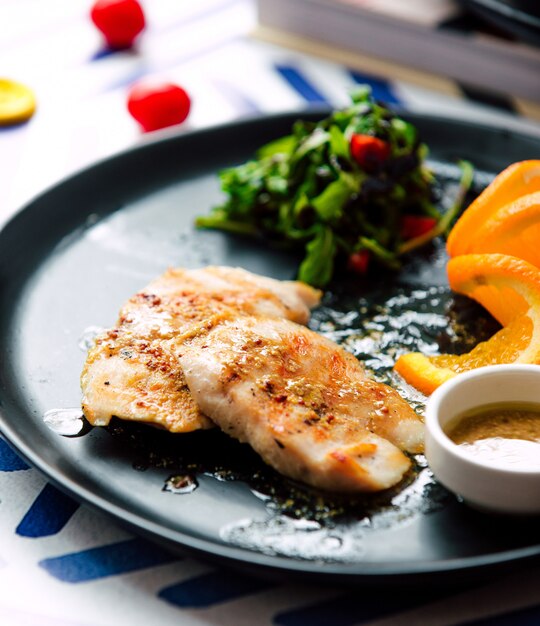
point(416, 225)
point(368, 151)
point(120, 21)
point(359, 262)
point(157, 106)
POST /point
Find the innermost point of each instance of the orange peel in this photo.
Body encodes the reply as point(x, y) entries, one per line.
point(512, 229)
point(510, 289)
point(517, 180)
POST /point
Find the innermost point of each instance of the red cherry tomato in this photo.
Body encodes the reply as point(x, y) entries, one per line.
point(369, 151)
point(416, 225)
point(120, 21)
point(359, 262)
point(157, 106)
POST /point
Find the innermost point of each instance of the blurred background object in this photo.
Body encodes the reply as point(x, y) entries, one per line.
point(120, 21)
point(518, 18)
point(158, 105)
point(17, 102)
point(421, 36)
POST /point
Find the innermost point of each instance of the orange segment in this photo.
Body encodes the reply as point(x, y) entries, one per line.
point(512, 229)
point(505, 285)
point(426, 373)
point(517, 180)
point(422, 372)
point(508, 287)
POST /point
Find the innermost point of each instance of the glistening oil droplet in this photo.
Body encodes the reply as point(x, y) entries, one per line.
point(67, 422)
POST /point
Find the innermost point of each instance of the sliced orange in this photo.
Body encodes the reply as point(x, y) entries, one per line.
point(513, 229)
point(515, 181)
point(510, 289)
point(506, 286)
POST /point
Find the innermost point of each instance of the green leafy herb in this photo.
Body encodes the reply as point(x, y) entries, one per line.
point(337, 187)
point(318, 264)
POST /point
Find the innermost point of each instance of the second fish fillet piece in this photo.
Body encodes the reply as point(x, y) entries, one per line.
point(303, 403)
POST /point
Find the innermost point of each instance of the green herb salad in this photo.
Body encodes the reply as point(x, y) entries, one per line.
point(350, 191)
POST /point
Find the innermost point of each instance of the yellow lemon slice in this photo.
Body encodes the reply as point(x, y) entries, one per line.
point(17, 102)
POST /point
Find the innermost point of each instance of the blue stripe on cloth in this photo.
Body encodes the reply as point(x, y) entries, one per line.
point(381, 89)
point(104, 53)
point(523, 617)
point(9, 460)
point(49, 513)
point(213, 588)
point(357, 608)
point(109, 560)
point(300, 84)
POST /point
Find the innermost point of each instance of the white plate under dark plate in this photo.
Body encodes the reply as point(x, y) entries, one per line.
point(69, 260)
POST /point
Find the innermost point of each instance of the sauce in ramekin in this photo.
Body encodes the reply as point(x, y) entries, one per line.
point(503, 433)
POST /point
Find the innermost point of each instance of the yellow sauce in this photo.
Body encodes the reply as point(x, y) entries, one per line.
point(505, 434)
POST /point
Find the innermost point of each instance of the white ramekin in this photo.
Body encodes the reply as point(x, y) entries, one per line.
point(481, 484)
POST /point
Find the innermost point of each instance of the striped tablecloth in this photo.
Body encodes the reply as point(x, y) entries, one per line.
point(64, 564)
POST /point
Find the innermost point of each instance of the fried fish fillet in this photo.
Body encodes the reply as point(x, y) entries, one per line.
point(132, 371)
point(303, 403)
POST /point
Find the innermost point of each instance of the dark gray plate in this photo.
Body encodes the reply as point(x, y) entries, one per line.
point(71, 257)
